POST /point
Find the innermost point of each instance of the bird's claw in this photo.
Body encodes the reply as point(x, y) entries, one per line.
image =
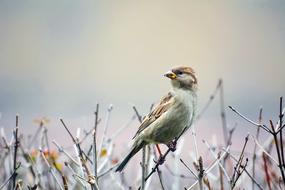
point(172, 145)
point(160, 160)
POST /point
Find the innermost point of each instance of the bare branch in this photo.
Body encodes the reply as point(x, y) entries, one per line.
point(250, 121)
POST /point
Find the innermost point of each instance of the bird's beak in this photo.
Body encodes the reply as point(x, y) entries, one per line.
point(170, 75)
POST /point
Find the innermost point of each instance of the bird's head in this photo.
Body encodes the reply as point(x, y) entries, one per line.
point(183, 78)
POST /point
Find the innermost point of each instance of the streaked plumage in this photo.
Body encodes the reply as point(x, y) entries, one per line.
point(169, 118)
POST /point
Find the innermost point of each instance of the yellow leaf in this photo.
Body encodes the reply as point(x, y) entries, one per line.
point(103, 152)
point(58, 166)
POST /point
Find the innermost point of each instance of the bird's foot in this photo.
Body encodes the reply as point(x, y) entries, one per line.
point(172, 145)
point(160, 160)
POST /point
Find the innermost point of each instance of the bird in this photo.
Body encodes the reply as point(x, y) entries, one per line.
point(172, 116)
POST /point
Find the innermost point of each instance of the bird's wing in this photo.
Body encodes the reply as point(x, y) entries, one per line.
point(158, 110)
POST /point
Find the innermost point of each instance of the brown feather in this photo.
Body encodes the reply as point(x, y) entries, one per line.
point(158, 110)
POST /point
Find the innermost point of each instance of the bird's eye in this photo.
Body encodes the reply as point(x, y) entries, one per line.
point(179, 72)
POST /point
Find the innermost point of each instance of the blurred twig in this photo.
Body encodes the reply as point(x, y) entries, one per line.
point(255, 146)
point(106, 125)
point(267, 176)
point(95, 143)
point(60, 149)
point(16, 145)
point(208, 103)
point(143, 163)
point(210, 167)
point(159, 173)
point(50, 169)
point(220, 165)
point(11, 176)
point(223, 113)
point(200, 169)
point(90, 180)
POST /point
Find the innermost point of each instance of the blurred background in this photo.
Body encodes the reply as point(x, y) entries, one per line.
point(60, 58)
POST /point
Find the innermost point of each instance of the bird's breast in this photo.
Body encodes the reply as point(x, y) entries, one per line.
point(173, 122)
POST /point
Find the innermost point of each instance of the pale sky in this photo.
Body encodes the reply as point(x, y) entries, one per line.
point(59, 58)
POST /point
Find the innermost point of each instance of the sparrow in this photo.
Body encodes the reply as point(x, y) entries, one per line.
point(171, 116)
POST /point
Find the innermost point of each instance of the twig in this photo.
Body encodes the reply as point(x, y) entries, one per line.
point(200, 170)
point(106, 172)
point(207, 183)
point(229, 141)
point(267, 177)
point(160, 178)
point(281, 133)
point(50, 169)
point(90, 180)
point(164, 156)
point(77, 177)
point(222, 169)
point(278, 151)
point(28, 159)
point(63, 177)
point(143, 165)
point(36, 134)
point(278, 127)
point(193, 173)
point(177, 174)
point(11, 176)
point(212, 165)
point(116, 134)
point(250, 121)
point(239, 168)
point(137, 114)
point(16, 145)
point(223, 113)
point(264, 151)
point(95, 144)
point(159, 174)
point(46, 138)
point(110, 108)
point(221, 166)
point(195, 141)
point(255, 146)
point(246, 171)
point(109, 148)
point(60, 149)
point(87, 133)
point(212, 97)
point(176, 155)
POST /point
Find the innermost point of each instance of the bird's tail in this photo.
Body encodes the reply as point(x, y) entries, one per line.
point(133, 151)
